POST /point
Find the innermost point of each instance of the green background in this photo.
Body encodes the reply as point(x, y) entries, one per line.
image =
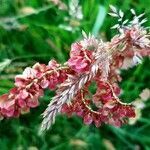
point(38, 37)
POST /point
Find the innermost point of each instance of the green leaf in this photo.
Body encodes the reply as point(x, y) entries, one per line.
point(4, 64)
point(99, 20)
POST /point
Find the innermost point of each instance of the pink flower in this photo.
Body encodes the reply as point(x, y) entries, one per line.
point(88, 119)
point(7, 106)
point(21, 103)
point(114, 122)
point(44, 83)
point(9, 112)
point(53, 81)
point(97, 120)
point(109, 110)
point(80, 59)
point(23, 94)
point(66, 109)
point(79, 64)
point(28, 74)
point(29, 88)
point(53, 64)
point(62, 76)
point(90, 60)
point(40, 69)
point(32, 102)
point(75, 49)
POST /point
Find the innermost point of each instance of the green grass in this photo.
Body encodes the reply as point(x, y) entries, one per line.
point(38, 37)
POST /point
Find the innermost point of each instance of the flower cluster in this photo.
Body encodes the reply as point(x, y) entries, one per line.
point(29, 88)
point(78, 62)
point(108, 107)
point(91, 60)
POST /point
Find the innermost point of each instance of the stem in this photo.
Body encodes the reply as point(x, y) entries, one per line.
point(34, 13)
point(88, 107)
point(30, 56)
point(36, 80)
point(47, 73)
point(116, 98)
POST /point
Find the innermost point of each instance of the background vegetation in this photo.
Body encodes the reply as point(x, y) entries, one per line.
point(39, 30)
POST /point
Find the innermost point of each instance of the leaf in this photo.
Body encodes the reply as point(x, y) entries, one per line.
point(99, 20)
point(84, 34)
point(121, 14)
point(113, 14)
point(115, 26)
point(120, 20)
point(113, 8)
point(141, 15)
point(133, 11)
point(4, 64)
point(143, 21)
point(124, 22)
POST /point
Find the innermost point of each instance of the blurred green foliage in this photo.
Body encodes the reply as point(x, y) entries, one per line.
point(37, 31)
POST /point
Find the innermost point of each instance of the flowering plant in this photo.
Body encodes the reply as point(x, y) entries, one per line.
point(91, 60)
